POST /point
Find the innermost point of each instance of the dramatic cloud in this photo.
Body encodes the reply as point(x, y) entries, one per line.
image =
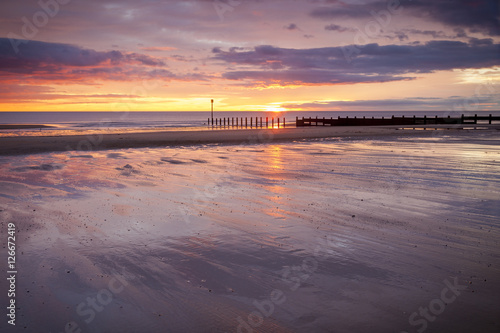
point(476, 15)
point(56, 61)
point(34, 53)
point(306, 77)
point(452, 104)
point(372, 62)
point(213, 48)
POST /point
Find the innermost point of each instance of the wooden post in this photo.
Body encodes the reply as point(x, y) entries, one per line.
point(283, 122)
point(267, 122)
point(316, 120)
point(224, 121)
point(251, 122)
point(208, 122)
point(260, 122)
point(212, 112)
point(278, 122)
point(246, 122)
point(272, 122)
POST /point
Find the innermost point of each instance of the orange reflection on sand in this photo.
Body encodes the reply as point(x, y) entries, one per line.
point(274, 160)
point(273, 170)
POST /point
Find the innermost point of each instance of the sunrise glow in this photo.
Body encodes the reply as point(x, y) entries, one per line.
point(247, 55)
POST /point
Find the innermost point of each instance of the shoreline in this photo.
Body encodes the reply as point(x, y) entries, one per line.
point(41, 144)
point(23, 126)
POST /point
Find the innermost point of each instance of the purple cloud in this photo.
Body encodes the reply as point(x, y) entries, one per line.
point(56, 61)
point(372, 63)
point(406, 104)
point(35, 53)
point(335, 27)
point(478, 15)
point(291, 26)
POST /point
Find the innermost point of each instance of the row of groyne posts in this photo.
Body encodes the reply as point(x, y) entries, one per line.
point(237, 122)
point(258, 122)
point(394, 121)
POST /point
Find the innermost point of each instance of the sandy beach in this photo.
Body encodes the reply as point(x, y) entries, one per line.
point(342, 234)
point(40, 144)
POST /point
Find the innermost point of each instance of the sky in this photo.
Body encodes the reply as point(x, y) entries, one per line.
point(250, 55)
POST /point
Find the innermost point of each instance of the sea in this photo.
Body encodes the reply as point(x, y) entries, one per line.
point(68, 123)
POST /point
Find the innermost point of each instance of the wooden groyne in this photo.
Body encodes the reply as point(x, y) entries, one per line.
point(240, 122)
point(401, 121)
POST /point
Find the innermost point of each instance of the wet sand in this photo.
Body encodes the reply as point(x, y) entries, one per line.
point(345, 234)
point(40, 144)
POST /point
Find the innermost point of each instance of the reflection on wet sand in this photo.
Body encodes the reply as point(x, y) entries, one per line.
point(352, 233)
